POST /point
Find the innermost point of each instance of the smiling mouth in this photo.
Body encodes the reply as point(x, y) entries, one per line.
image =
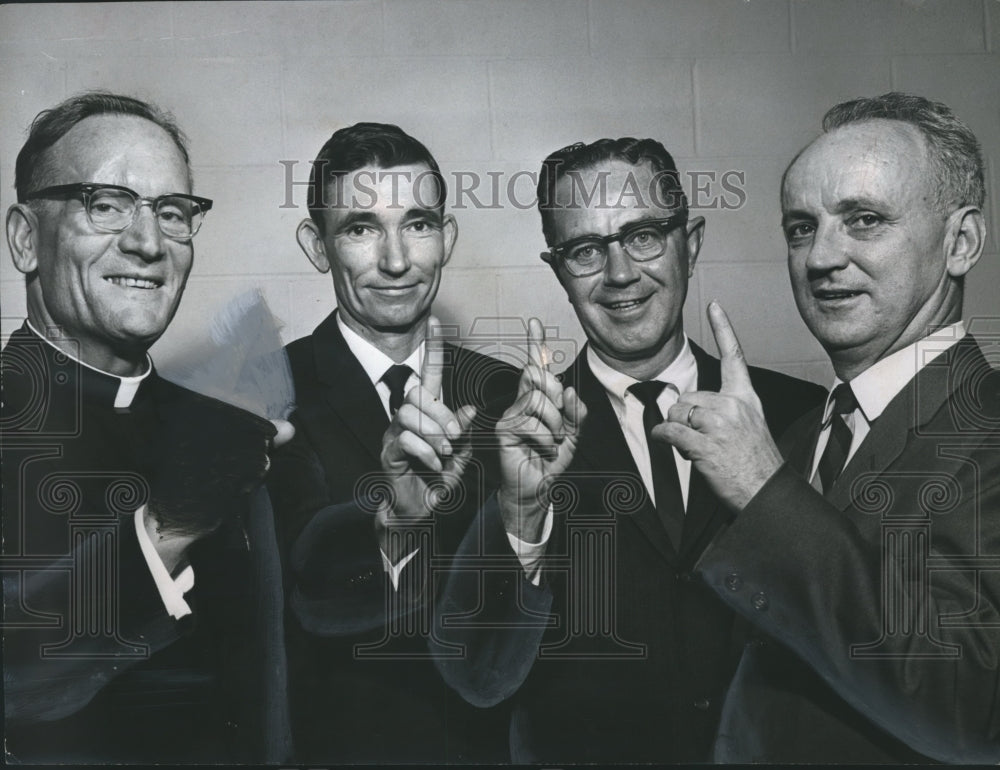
point(394, 289)
point(625, 304)
point(133, 283)
point(832, 295)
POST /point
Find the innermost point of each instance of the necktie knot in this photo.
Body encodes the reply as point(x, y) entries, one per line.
point(844, 401)
point(838, 444)
point(647, 392)
point(396, 377)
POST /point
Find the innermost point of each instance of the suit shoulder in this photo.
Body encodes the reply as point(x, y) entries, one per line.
point(299, 345)
point(785, 398)
point(23, 373)
point(300, 353)
point(782, 384)
point(193, 405)
point(499, 375)
point(978, 380)
point(480, 379)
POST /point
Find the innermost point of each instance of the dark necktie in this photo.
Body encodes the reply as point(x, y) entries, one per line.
point(396, 377)
point(839, 444)
point(666, 484)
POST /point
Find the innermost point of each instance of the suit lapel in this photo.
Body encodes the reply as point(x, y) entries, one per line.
point(603, 450)
point(914, 406)
point(798, 444)
point(452, 358)
point(349, 393)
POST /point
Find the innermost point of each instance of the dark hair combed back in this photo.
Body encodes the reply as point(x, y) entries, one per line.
point(579, 157)
point(954, 149)
point(51, 125)
point(381, 145)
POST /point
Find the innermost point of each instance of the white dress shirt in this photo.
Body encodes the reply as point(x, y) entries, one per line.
point(375, 363)
point(171, 590)
point(682, 375)
point(875, 387)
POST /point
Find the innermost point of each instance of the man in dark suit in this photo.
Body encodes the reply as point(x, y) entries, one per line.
point(132, 578)
point(363, 687)
point(867, 561)
point(608, 648)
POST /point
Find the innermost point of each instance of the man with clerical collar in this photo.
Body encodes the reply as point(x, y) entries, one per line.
point(373, 372)
point(866, 558)
point(130, 632)
point(606, 647)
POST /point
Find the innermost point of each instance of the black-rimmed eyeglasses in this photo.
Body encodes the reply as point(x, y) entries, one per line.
point(642, 241)
point(112, 208)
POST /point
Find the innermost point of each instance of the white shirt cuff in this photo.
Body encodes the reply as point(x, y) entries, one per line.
point(171, 590)
point(530, 554)
point(395, 571)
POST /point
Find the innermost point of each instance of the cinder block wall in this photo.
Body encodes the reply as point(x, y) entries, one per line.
point(728, 86)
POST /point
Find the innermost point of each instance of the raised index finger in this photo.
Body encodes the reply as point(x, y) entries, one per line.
point(735, 377)
point(538, 354)
point(433, 366)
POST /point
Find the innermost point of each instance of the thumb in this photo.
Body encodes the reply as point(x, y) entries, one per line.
point(466, 416)
point(574, 413)
point(286, 431)
point(735, 377)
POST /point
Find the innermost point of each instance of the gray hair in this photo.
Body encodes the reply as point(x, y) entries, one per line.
point(954, 149)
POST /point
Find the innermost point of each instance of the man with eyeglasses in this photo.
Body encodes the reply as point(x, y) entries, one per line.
point(607, 646)
point(131, 585)
point(371, 377)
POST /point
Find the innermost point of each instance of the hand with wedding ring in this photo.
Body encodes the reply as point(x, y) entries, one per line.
point(724, 434)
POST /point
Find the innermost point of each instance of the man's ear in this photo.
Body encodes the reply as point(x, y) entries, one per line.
point(964, 240)
point(22, 237)
point(695, 237)
point(450, 230)
point(311, 242)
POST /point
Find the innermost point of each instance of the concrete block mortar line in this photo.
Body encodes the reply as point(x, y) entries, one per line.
point(695, 106)
point(792, 42)
point(987, 36)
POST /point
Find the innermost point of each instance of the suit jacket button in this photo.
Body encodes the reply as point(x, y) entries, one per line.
point(702, 704)
point(734, 582)
point(759, 602)
point(684, 577)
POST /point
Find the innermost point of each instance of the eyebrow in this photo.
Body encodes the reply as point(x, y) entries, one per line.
point(794, 216)
point(364, 217)
point(852, 204)
point(357, 217)
point(648, 218)
point(422, 212)
point(843, 206)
